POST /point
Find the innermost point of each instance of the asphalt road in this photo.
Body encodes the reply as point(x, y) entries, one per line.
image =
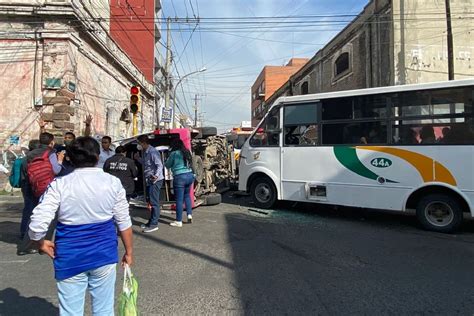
point(296, 259)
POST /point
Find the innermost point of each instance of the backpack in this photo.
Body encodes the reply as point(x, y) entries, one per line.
point(40, 173)
point(15, 176)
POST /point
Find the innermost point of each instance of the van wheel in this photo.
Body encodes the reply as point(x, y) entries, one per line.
point(198, 168)
point(263, 192)
point(212, 199)
point(208, 131)
point(439, 213)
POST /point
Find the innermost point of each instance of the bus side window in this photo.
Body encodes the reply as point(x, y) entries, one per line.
point(273, 131)
point(268, 133)
point(300, 121)
point(302, 135)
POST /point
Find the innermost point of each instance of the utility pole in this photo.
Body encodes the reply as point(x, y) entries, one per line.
point(196, 110)
point(450, 41)
point(201, 119)
point(168, 68)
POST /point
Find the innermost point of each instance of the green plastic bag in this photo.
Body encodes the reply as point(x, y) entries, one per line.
point(128, 298)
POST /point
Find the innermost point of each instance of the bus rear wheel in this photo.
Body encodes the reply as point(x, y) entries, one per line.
point(263, 192)
point(439, 213)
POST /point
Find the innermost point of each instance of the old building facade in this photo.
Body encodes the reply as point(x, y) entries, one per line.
point(389, 43)
point(60, 63)
point(268, 81)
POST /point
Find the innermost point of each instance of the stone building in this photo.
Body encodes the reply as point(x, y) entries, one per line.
point(391, 42)
point(61, 60)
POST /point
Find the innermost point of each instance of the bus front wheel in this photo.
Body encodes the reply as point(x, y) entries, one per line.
point(263, 192)
point(440, 213)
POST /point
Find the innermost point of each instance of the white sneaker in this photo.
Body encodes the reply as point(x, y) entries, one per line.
point(176, 224)
point(190, 219)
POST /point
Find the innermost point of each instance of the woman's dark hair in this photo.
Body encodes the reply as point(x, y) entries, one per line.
point(46, 138)
point(70, 133)
point(177, 144)
point(427, 132)
point(84, 152)
point(33, 144)
point(120, 150)
point(108, 138)
point(143, 139)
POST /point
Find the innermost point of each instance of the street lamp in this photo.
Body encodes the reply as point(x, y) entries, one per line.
point(176, 86)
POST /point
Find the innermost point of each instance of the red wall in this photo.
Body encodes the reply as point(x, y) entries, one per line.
point(131, 34)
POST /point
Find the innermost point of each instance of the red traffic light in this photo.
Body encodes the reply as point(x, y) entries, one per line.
point(134, 90)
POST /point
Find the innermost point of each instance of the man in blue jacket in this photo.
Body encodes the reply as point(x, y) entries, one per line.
point(153, 173)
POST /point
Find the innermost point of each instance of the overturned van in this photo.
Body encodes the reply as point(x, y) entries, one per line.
point(211, 164)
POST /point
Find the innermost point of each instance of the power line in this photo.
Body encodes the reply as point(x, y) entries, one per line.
point(183, 53)
point(192, 8)
point(259, 20)
point(186, 45)
point(200, 44)
point(278, 17)
point(177, 70)
point(144, 25)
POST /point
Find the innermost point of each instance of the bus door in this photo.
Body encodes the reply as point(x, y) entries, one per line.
point(300, 170)
point(263, 153)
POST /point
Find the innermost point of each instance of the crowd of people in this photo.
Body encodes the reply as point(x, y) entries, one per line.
point(80, 190)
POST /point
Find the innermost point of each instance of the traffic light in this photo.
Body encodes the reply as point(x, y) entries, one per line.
point(134, 98)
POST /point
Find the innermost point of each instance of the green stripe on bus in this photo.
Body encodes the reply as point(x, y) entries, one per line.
point(347, 156)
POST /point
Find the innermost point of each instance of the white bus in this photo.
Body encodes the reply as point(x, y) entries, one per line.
point(395, 148)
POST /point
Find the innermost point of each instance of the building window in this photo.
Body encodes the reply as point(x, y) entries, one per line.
point(255, 95)
point(341, 64)
point(304, 88)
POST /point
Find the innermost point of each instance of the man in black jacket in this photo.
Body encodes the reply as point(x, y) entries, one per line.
point(123, 168)
point(29, 200)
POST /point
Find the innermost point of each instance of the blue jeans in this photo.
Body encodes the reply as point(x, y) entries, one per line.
point(101, 285)
point(154, 194)
point(30, 202)
point(182, 186)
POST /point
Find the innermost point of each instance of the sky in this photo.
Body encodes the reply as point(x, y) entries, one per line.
point(235, 53)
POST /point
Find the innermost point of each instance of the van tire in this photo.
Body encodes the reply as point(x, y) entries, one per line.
point(263, 191)
point(212, 199)
point(208, 131)
point(198, 168)
point(440, 213)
